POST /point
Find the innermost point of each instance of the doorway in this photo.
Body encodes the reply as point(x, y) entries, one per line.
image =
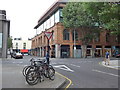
point(65, 51)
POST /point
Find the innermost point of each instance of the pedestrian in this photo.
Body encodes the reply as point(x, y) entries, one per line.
point(107, 58)
point(47, 57)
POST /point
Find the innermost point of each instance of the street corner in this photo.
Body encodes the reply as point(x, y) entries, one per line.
point(67, 82)
point(113, 64)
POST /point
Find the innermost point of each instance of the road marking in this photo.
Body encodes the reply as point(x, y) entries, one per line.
point(106, 73)
point(74, 65)
point(70, 81)
point(63, 67)
point(112, 67)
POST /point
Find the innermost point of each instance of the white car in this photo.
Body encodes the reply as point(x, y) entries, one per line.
point(18, 55)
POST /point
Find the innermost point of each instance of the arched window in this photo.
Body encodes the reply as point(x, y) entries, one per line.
point(65, 35)
point(97, 37)
point(75, 33)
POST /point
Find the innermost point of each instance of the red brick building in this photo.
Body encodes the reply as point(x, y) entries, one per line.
point(63, 41)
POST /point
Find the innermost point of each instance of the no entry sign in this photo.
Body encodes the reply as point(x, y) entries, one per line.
point(48, 35)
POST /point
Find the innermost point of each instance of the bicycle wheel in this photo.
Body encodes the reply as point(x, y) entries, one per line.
point(46, 73)
point(51, 73)
point(32, 77)
point(25, 69)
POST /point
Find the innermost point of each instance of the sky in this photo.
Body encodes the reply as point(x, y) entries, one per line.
point(24, 15)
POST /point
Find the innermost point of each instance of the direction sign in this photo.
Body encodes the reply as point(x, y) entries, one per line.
point(48, 35)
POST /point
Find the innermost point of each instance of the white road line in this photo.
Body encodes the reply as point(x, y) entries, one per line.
point(63, 67)
point(106, 73)
point(74, 65)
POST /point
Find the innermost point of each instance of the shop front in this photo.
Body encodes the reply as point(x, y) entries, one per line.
point(77, 52)
point(115, 50)
point(65, 51)
point(98, 51)
point(89, 51)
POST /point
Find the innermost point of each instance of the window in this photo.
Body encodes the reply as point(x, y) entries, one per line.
point(61, 15)
point(97, 37)
point(107, 37)
point(16, 44)
point(53, 36)
point(65, 35)
point(76, 35)
point(24, 45)
point(52, 20)
point(57, 17)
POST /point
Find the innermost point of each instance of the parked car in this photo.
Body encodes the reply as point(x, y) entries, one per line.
point(118, 55)
point(17, 55)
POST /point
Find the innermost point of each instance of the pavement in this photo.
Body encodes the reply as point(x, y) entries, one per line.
point(18, 81)
point(12, 78)
point(114, 63)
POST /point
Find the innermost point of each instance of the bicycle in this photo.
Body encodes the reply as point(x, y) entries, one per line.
point(26, 68)
point(34, 75)
point(37, 70)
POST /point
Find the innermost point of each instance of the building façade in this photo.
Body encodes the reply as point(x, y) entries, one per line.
point(63, 41)
point(4, 33)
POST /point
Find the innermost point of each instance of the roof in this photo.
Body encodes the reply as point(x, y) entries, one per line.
point(50, 11)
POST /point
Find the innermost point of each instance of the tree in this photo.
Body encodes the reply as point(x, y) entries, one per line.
point(75, 15)
point(94, 16)
point(9, 42)
point(107, 15)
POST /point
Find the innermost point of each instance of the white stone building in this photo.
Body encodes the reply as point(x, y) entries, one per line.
point(23, 46)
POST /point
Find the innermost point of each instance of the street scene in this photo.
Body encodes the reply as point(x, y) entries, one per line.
point(61, 44)
point(83, 73)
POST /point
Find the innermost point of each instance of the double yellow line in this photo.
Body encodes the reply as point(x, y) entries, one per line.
point(70, 81)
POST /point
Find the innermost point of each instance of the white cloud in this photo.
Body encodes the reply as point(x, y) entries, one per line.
point(24, 15)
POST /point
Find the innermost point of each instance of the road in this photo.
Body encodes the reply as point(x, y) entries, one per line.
point(84, 73)
point(87, 73)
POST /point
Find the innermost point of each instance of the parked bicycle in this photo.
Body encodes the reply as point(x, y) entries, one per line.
point(37, 70)
point(26, 68)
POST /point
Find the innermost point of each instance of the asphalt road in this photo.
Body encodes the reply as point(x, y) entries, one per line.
point(87, 73)
point(84, 73)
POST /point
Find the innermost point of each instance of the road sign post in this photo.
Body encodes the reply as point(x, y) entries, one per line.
point(48, 35)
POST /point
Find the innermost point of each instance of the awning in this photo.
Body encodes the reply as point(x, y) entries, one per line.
point(24, 50)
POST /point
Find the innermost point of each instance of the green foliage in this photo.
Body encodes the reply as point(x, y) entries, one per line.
point(9, 42)
point(92, 15)
point(106, 14)
point(74, 15)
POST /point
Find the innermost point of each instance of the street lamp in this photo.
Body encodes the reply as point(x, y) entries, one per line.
point(74, 44)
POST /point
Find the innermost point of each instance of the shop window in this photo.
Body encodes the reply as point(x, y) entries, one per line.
point(88, 52)
point(65, 35)
point(89, 46)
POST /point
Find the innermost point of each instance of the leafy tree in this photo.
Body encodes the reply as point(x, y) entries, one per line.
point(94, 16)
point(9, 42)
point(106, 14)
point(75, 15)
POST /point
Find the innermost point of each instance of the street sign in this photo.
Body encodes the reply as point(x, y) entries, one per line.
point(48, 35)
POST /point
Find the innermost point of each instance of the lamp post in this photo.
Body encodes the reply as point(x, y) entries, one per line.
point(74, 44)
